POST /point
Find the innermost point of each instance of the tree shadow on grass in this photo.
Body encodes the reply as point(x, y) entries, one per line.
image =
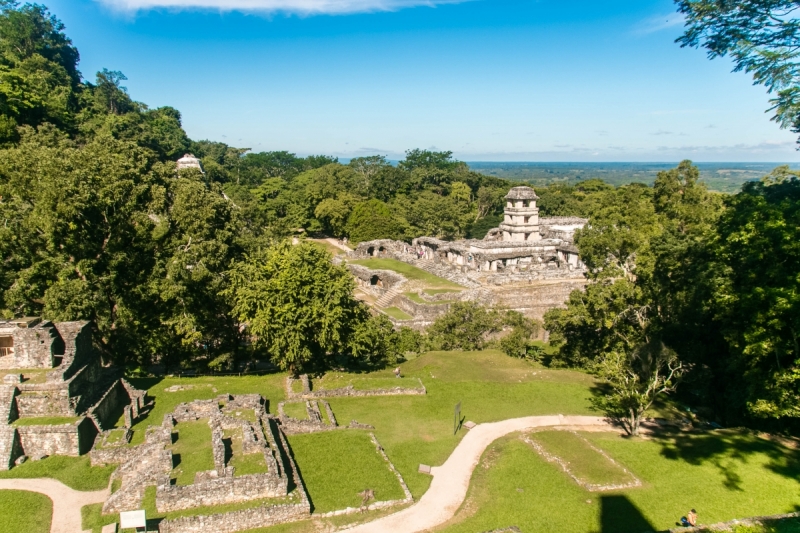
point(726, 449)
point(619, 515)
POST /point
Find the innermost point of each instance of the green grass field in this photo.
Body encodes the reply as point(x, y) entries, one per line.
point(296, 410)
point(74, 472)
point(45, 421)
point(397, 313)
point(722, 475)
point(337, 465)
point(192, 451)
point(410, 272)
point(24, 512)
point(584, 462)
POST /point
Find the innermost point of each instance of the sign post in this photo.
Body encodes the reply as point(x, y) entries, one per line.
point(133, 520)
point(457, 418)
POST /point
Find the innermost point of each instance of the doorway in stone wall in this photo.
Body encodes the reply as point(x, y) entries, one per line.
point(6, 346)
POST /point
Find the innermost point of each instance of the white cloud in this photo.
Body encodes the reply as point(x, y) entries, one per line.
point(302, 7)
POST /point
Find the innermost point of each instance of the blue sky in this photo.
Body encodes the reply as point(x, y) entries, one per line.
point(491, 80)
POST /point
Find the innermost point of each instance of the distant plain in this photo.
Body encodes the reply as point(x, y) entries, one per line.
point(721, 177)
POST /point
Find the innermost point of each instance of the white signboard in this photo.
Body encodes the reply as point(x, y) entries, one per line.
point(132, 519)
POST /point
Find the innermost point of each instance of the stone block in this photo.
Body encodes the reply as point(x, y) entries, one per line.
point(110, 528)
point(11, 379)
point(424, 469)
point(469, 424)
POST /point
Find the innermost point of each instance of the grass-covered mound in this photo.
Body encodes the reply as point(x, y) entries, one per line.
point(24, 512)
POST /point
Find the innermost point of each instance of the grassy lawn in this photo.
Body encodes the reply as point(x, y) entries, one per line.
point(29, 375)
point(192, 451)
point(397, 313)
point(434, 292)
point(24, 512)
point(337, 465)
point(723, 476)
point(583, 462)
point(296, 410)
point(410, 272)
point(337, 380)
point(490, 387)
point(46, 421)
point(75, 472)
point(252, 463)
point(414, 297)
point(93, 519)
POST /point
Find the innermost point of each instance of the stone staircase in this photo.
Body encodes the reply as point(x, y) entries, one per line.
point(387, 298)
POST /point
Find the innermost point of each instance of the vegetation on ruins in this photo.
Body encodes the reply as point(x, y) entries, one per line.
point(170, 266)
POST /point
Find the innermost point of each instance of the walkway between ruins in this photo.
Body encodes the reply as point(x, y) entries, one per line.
point(339, 245)
point(451, 480)
point(67, 502)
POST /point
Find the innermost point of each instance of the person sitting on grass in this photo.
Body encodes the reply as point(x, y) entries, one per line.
point(690, 520)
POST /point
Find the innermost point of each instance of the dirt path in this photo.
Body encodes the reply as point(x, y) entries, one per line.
point(451, 480)
point(340, 246)
point(67, 503)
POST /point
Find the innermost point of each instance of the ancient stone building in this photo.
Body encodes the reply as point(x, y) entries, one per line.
point(50, 370)
point(529, 264)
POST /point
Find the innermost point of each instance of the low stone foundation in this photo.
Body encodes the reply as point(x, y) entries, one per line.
point(349, 391)
point(259, 517)
point(219, 491)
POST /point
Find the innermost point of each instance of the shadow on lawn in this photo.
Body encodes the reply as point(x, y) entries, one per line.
point(726, 449)
point(619, 515)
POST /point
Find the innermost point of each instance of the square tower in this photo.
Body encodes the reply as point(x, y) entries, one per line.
point(521, 217)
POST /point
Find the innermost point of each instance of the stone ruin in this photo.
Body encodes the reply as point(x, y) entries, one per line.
point(152, 463)
point(528, 264)
point(51, 370)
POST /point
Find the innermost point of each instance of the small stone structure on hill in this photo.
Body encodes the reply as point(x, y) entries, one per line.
point(50, 370)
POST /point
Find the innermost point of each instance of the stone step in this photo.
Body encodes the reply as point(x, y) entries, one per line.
point(387, 298)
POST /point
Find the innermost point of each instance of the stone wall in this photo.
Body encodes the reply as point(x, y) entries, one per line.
point(66, 439)
point(107, 410)
point(44, 400)
point(247, 519)
point(10, 447)
point(36, 346)
point(350, 391)
point(386, 279)
point(219, 492)
point(428, 312)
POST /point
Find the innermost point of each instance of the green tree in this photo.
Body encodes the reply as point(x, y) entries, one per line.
point(373, 220)
point(465, 326)
point(763, 39)
point(374, 342)
point(758, 294)
point(297, 305)
point(636, 379)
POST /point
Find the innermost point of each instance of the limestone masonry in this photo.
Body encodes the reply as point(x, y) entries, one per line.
point(529, 264)
point(50, 370)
